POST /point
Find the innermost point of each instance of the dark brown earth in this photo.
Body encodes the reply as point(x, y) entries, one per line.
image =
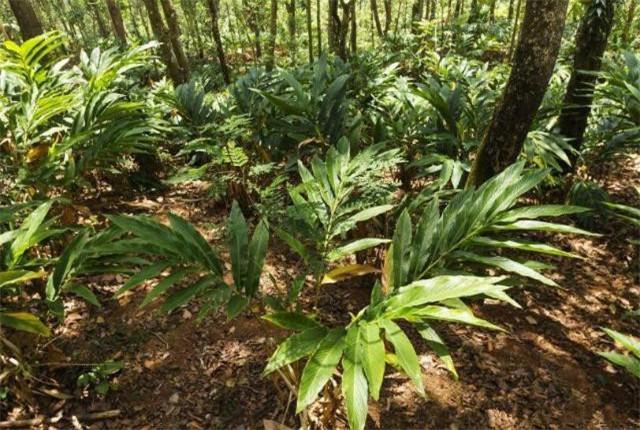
point(542, 373)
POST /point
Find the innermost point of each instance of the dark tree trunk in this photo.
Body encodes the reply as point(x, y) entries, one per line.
point(514, 31)
point(160, 31)
point(309, 31)
point(416, 14)
point(354, 29)
point(492, 11)
point(273, 32)
point(291, 26)
point(28, 21)
point(591, 42)
point(102, 27)
point(215, 30)
point(457, 9)
point(174, 34)
point(253, 20)
point(510, 13)
point(333, 24)
point(319, 25)
point(533, 64)
point(628, 23)
point(376, 18)
point(116, 21)
point(387, 16)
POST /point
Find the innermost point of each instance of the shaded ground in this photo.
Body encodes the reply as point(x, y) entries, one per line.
point(541, 373)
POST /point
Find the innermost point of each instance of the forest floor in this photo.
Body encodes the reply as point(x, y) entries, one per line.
point(541, 373)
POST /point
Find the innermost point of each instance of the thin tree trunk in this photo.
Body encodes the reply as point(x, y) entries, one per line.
point(291, 26)
point(134, 20)
point(215, 30)
point(533, 64)
point(319, 25)
point(160, 31)
point(273, 33)
point(253, 20)
point(628, 23)
point(510, 14)
point(514, 31)
point(309, 31)
point(102, 27)
point(492, 11)
point(354, 29)
point(171, 18)
point(434, 9)
point(591, 42)
point(116, 21)
point(28, 21)
point(333, 26)
point(387, 16)
point(376, 18)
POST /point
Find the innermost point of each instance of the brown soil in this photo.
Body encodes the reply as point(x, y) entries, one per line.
point(542, 373)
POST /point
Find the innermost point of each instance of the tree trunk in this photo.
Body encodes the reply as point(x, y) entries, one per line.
point(160, 31)
point(174, 34)
point(215, 31)
point(253, 20)
point(102, 27)
point(591, 42)
point(629, 21)
point(354, 29)
point(291, 26)
point(492, 11)
point(116, 21)
point(309, 31)
point(333, 20)
point(319, 25)
point(273, 33)
point(28, 21)
point(533, 64)
point(416, 14)
point(510, 14)
point(514, 31)
point(387, 16)
point(376, 18)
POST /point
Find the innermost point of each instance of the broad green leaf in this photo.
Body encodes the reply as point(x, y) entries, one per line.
point(238, 246)
point(257, 252)
point(373, 352)
point(354, 382)
point(85, 293)
point(145, 274)
point(355, 246)
point(164, 285)
point(23, 321)
point(349, 271)
point(406, 355)
point(523, 246)
point(401, 250)
point(320, 367)
point(236, 305)
point(506, 264)
point(18, 277)
point(295, 347)
point(462, 316)
point(542, 226)
point(436, 343)
point(183, 296)
point(291, 321)
point(28, 229)
point(629, 342)
point(533, 212)
point(627, 361)
point(370, 213)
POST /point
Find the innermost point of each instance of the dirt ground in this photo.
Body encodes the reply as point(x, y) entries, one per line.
point(541, 373)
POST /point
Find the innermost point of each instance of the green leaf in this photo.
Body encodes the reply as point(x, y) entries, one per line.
point(373, 352)
point(183, 296)
point(533, 212)
point(407, 357)
point(239, 242)
point(18, 277)
point(320, 367)
point(370, 213)
point(436, 343)
point(28, 229)
point(542, 226)
point(626, 341)
point(164, 285)
point(257, 253)
point(506, 264)
point(463, 316)
point(295, 347)
point(236, 305)
point(355, 246)
point(523, 246)
point(401, 250)
point(628, 362)
point(294, 244)
point(24, 321)
point(354, 382)
point(145, 274)
point(291, 321)
point(85, 293)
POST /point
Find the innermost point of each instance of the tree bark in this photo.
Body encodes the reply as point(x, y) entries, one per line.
point(253, 20)
point(174, 34)
point(387, 16)
point(273, 33)
point(116, 21)
point(533, 64)
point(309, 31)
point(215, 31)
point(628, 23)
point(102, 27)
point(376, 18)
point(354, 29)
point(514, 31)
point(291, 26)
point(591, 42)
point(319, 25)
point(28, 21)
point(160, 31)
